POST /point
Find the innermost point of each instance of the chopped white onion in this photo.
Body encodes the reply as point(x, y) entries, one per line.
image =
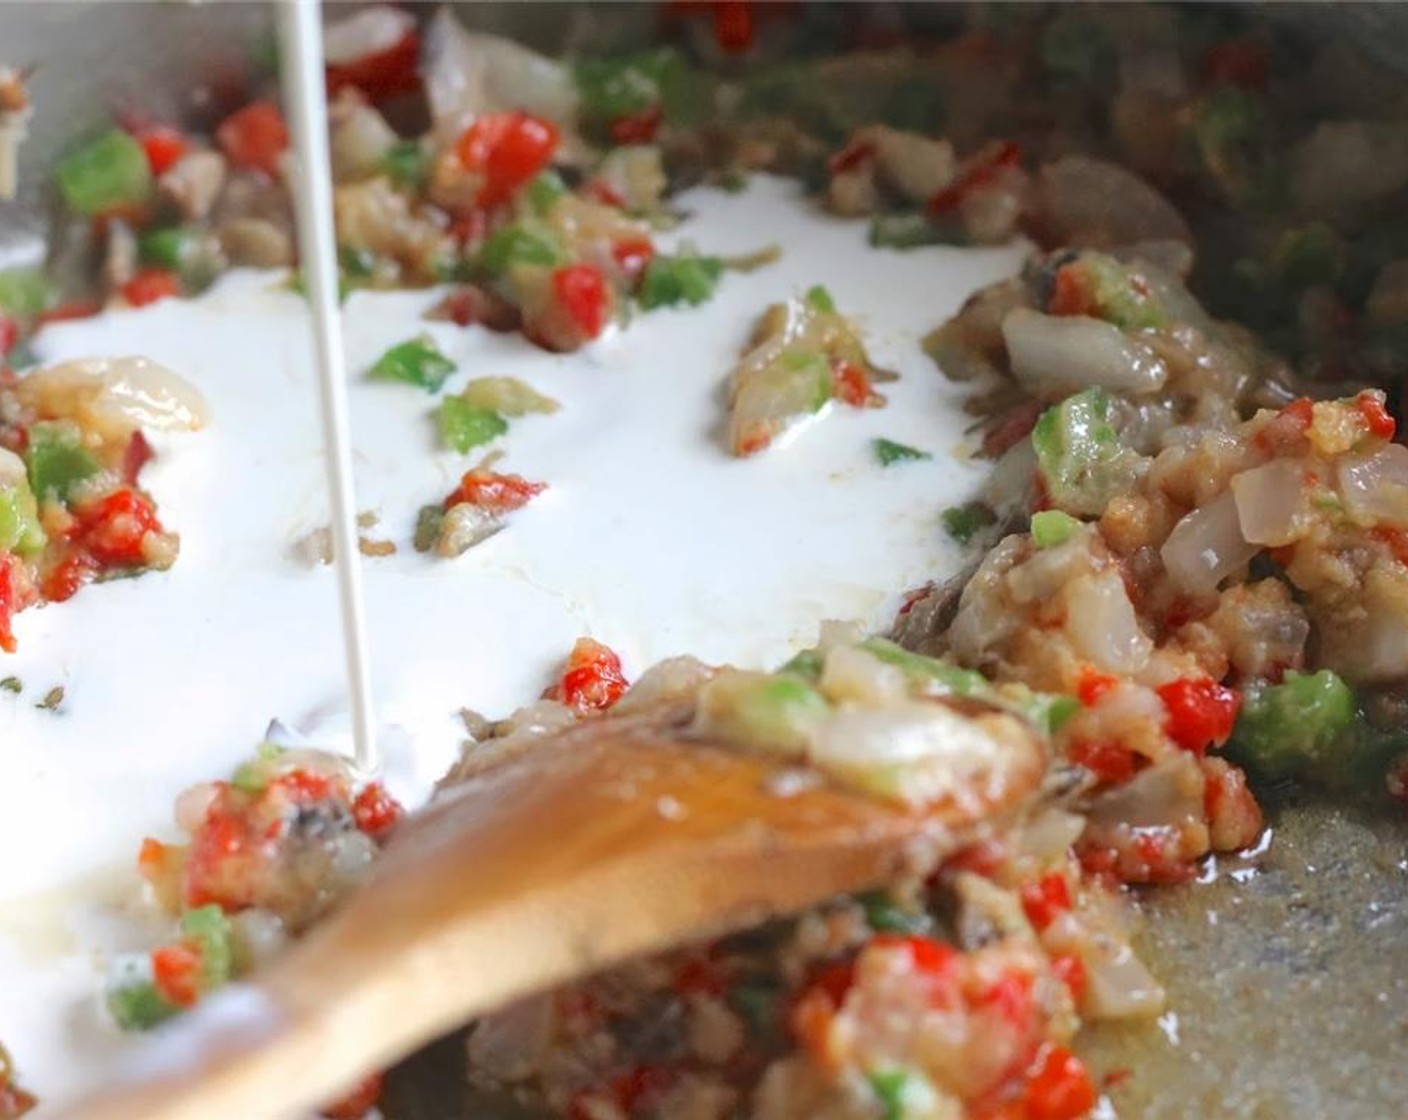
point(360, 139)
point(114, 396)
point(1207, 546)
point(1086, 201)
point(1375, 487)
point(1270, 500)
point(12, 469)
point(368, 31)
point(1102, 624)
point(1055, 356)
point(1118, 985)
point(470, 73)
point(1164, 795)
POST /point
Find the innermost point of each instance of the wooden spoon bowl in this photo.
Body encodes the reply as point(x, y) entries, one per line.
point(615, 837)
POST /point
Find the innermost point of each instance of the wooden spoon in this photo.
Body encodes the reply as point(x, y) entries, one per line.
point(615, 837)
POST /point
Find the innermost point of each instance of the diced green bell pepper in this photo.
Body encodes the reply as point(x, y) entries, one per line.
point(254, 776)
point(1051, 527)
point(407, 164)
point(416, 362)
point(515, 245)
point(885, 915)
point(671, 281)
point(1286, 729)
point(20, 530)
point(820, 299)
point(106, 174)
point(24, 292)
point(808, 664)
point(211, 931)
point(56, 460)
point(911, 229)
point(890, 1087)
point(1079, 455)
point(462, 426)
point(1119, 298)
point(139, 1006)
point(768, 712)
point(544, 191)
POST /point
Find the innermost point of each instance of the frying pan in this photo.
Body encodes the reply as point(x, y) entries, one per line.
point(1285, 968)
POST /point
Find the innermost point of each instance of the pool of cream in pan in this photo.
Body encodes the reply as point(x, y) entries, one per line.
point(650, 538)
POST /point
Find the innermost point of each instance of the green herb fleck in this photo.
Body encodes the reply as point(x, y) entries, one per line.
point(52, 699)
point(963, 523)
point(1051, 527)
point(11, 684)
point(820, 299)
point(889, 452)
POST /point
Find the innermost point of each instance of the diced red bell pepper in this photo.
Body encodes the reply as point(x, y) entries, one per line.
point(853, 385)
point(376, 811)
point(164, 147)
point(1110, 762)
point(1235, 62)
point(63, 580)
point(633, 256)
point(1201, 712)
point(1072, 293)
point(67, 312)
point(8, 604)
point(255, 137)
point(302, 787)
point(137, 454)
point(852, 155)
point(1070, 970)
point(1059, 1087)
point(382, 73)
point(176, 973)
point(114, 528)
point(605, 193)
point(150, 285)
point(1371, 407)
point(494, 493)
point(981, 169)
point(582, 291)
point(733, 25)
point(508, 150)
point(637, 128)
point(9, 335)
point(817, 1006)
point(593, 679)
point(1093, 685)
point(1046, 899)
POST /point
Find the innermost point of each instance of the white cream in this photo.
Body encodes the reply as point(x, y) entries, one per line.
point(651, 538)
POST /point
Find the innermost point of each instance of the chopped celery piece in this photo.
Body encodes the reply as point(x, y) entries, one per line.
point(24, 292)
point(20, 530)
point(964, 522)
point(406, 164)
point(808, 664)
point(1285, 729)
point(462, 426)
point(671, 281)
point(208, 927)
point(544, 191)
point(889, 452)
point(515, 245)
point(1051, 527)
point(508, 396)
point(415, 362)
point(1079, 455)
point(56, 460)
point(820, 299)
point(139, 1006)
point(109, 173)
point(773, 712)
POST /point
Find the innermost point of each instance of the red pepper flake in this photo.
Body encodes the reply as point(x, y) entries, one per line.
point(164, 147)
point(913, 597)
point(592, 680)
point(605, 193)
point(382, 73)
point(357, 1103)
point(637, 128)
point(1371, 407)
point(67, 312)
point(1070, 970)
point(255, 137)
point(853, 385)
point(135, 456)
point(733, 25)
point(508, 149)
point(1201, 712)
point(1108, 761)
point(150, 285)
point(811, 1015)
point(376, 811)
point(931, 957)
point(852, 155)
point(1059, 1087)
point(981, 169)
point(1046, 899)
